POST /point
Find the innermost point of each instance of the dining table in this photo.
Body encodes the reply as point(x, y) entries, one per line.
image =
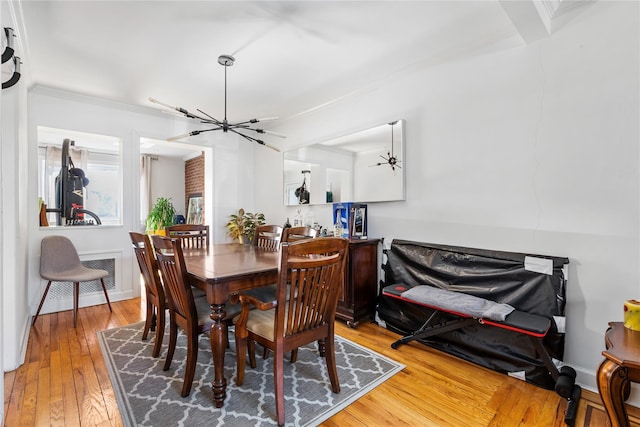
point(222, 270)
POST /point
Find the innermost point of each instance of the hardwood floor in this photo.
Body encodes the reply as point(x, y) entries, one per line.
point(64, 381)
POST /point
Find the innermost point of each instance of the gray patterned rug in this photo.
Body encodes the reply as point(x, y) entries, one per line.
point(148, 396)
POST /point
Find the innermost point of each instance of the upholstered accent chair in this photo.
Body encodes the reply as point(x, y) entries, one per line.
point(60, 262)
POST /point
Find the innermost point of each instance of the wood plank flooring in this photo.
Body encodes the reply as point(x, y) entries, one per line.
point(64, 382)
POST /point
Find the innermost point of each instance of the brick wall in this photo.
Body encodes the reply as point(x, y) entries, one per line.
point(193, 179)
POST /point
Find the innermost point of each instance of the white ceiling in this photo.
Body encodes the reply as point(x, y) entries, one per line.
point(291, 56)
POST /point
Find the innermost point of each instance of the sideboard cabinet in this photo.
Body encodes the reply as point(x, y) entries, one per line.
point(359, 292)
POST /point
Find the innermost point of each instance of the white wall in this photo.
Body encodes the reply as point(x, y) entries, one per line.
point(167, 180)
point(533, 149)
point(13, 223)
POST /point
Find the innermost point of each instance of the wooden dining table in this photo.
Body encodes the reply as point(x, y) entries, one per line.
point(222, 270)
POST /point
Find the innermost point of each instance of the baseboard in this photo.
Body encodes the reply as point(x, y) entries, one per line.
point(24, 341)
point(587, 380)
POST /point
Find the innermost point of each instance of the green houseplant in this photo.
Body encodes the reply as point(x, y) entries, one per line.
point(161, 215)
point(242, 225)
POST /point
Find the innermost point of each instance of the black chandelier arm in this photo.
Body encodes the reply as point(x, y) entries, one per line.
point(257, 120)
point(192, 133)
point(245, 124)
point(268, 132)
point(259, 141)
point(212, 119)
point(180, 110)
point(190, 115)
point(262, 131)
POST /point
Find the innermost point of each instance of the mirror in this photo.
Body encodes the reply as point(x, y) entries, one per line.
point(365, 166)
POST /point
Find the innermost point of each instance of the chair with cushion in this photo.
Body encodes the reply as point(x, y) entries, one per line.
point(191, 235)
point(310, 276)
point(268, 293)
point(267, 237)
point(154, 291)
point(189, 313)
point(293, 234)
point(60, 262)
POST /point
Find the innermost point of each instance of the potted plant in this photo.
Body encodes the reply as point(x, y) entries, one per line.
point(161, 215)
point(242, 225)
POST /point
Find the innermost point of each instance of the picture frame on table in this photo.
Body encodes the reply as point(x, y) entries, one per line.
point(358, 219)
point(194, 209)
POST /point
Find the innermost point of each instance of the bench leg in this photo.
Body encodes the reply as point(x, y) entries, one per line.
point(544, 355)
point(427, 331)
point(572, 407)
point(565, 382)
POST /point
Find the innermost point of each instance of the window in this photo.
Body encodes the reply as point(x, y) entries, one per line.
point(94, 166)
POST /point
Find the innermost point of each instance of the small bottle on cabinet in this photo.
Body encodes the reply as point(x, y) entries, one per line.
point(337, 228)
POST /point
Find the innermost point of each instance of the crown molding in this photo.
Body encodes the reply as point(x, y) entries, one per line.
point(88, 99)
point(551, 10)
point(536, 19)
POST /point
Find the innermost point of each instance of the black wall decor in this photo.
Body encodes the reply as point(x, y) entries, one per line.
point(9, 54)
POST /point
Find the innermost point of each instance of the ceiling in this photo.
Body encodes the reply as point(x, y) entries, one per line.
point(291, 56)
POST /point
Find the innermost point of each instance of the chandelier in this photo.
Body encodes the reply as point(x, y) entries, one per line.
point(223, 125)
point(391, 158)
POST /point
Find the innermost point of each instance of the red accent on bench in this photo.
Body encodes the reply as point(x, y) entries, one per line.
point(504, 325)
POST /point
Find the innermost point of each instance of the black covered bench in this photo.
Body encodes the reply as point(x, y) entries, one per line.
point(463, 300)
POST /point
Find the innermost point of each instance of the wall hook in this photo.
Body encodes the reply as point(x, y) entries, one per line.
point(15, 76)
point(8, 50)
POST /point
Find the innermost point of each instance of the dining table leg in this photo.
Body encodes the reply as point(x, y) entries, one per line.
point(217, 336)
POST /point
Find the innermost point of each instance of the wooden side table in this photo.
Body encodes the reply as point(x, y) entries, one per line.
point(357, 301)
point(620, 367)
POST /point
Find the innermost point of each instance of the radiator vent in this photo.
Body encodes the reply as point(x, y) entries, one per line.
point(64, 290)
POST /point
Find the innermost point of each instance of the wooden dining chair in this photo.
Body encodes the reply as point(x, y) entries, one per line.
point(60, 262)
point(191, 235)
point(189, 313)
point(154, 290)
point(268, 293)
point(293, 234)
point(267, 237)
point(310, 276)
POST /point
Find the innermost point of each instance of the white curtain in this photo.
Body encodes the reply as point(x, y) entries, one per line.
point(145, 186)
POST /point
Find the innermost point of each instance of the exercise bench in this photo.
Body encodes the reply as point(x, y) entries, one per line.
point(468, 310)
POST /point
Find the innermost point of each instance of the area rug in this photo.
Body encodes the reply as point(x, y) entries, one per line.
point(149, 396)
